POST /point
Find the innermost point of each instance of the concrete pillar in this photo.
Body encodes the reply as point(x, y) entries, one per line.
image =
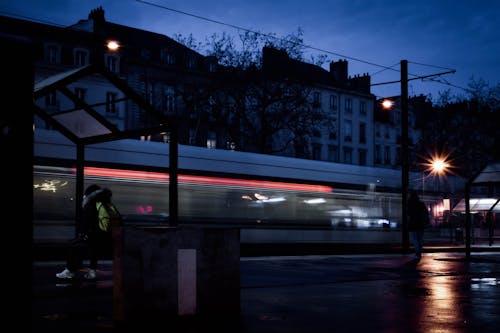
point(166, 272)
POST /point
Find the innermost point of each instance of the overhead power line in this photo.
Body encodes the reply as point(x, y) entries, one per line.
point(265, 35)
point(415, 76)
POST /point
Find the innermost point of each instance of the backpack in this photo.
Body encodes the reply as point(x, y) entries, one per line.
point(108, 216)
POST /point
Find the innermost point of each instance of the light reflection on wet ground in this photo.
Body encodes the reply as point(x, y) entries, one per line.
point(342, 293)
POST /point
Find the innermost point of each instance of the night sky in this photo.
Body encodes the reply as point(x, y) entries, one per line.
point(433, 35)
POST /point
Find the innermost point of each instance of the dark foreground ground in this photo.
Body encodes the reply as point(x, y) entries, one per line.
point(385, 292)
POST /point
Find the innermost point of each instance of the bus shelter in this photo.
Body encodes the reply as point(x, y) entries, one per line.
point(488, 178)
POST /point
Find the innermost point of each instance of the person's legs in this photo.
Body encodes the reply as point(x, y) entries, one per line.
point(416, 241)
point(417, 238)
point(99, 245)
point(74, 260)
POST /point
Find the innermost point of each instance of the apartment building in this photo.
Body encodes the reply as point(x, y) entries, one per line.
point(179, 81)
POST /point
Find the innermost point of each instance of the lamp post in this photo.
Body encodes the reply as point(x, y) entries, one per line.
point(404, 142)
point(389, 104)
point(404, 154)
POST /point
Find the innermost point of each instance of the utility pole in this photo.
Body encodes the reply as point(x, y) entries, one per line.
point(173, 186)
point(405, 165)
point(404, 154)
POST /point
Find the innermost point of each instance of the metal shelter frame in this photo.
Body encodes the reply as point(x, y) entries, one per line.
point(489, 176)
point(84, 125)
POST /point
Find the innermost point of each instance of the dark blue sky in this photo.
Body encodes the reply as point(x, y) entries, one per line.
point(461, 34)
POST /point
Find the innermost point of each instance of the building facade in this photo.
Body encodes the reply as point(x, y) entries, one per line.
point(179, 81)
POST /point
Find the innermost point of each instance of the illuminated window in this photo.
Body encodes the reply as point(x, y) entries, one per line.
point(211, 140)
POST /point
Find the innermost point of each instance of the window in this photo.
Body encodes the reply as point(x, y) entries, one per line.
point(362, 157)
point(150, 93)
point(111, 103)
point(231, 145)
point(168, 100)
point(211, 140)
point(362, 107)
point(192, 136)
point(165, 137)
point(378, 154)
point(112, 63)
point(347, 155)
point(377, 131)
point(81, 57)
point(348, 131)
point(316, 133)
point(332, 135)
point(212, 67)
point(316, 151)
point(167, 57)
point(362, 133)
point(333, 102)
point(145, 54)
point(387, 155)
point(81, 93)
point(316, 99)
point(348, 105)
point(51, 101)
point(333, 153)
point(190, 61)
point(53, 53)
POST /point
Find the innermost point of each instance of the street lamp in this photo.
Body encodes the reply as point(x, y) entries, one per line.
point(438, 164)
point(404, 142)
point(113, 45)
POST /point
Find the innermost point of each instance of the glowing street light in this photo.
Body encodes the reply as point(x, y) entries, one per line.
point(438, 164)
point(440, 167)
point(113, 45)
point(387, 104)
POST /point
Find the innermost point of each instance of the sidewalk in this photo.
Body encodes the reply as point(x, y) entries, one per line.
point(321, 293)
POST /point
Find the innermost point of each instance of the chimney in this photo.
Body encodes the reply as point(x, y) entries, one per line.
point(97, 15)
point(361, 83)
point(339, 70)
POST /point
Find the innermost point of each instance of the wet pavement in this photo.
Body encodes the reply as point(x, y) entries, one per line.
point(443, 292)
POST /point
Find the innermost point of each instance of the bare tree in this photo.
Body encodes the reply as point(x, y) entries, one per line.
point(257, 111)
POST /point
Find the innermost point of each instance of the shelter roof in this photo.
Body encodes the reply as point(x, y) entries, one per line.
point(489, 175)
point(83, 124)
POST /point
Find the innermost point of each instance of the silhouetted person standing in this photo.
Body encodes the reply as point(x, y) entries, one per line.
point(418, 217)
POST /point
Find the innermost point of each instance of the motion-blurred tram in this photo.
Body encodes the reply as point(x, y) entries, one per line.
point(270, 198)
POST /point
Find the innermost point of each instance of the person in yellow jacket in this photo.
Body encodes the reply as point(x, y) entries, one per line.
point(91, 242)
